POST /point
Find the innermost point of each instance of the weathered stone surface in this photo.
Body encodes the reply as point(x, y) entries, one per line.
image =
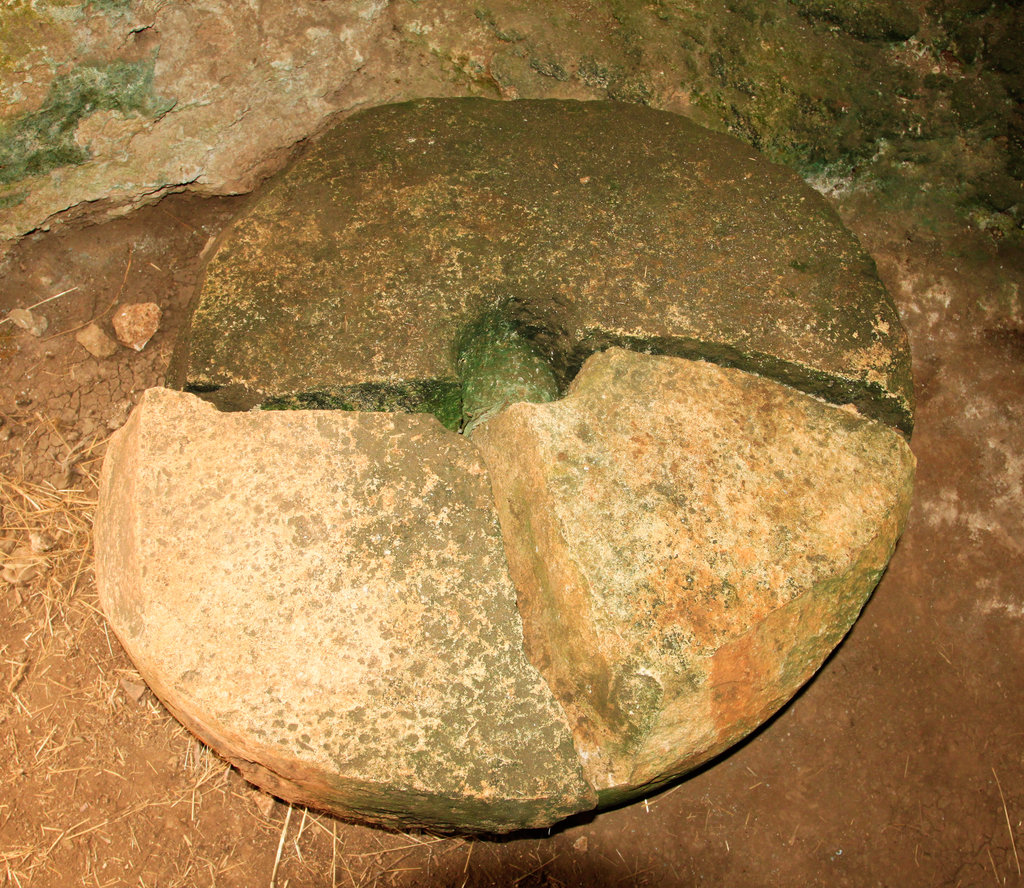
point(323, 597)
point(689, 543)
point(108, 105)
point(348, 281)
point(121, 102)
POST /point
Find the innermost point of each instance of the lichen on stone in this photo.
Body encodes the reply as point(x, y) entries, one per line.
point(39, 141)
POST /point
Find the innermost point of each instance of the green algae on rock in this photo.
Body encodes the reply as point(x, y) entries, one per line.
point(589, 224)
point(498, 367)
point(689, 543)
point(42, 140)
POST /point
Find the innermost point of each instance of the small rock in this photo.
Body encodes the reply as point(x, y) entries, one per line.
point(136, 323)
point(581, 844)
point(22, 566)
point(96, 342)
point(35, 324)
point(133, 690)
point(264, 802)
point(40, 541)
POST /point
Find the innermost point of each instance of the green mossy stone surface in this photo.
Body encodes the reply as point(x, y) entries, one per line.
point(40, 141)
point(585, 225)
point(866, 19)
point(499, 367)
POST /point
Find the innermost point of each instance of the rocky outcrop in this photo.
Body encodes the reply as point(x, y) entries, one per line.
point(121, 102)
point(108, 105)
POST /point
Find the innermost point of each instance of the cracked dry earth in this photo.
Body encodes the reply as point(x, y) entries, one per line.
point(901, 764)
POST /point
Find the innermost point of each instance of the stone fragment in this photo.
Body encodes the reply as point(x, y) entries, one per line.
point(265, 803)
point(35, 324)
point(22, 566)
point(95, 341)
point(350, 279)
point(133, 690)
point(40, 541)
point(324, 598)
point(688, 543)
point(136, 323)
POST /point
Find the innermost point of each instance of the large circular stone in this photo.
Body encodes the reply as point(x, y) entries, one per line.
point(583, 598)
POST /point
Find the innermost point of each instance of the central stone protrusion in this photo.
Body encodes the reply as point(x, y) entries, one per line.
point(499, 367)
point(687, 397)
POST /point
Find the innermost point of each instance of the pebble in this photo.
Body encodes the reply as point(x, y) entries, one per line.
point(95, 341)
point(22, 566)
point(133, 690)
point(41, 541)
point(265, 803)
point(136, 323)
point(36, 324)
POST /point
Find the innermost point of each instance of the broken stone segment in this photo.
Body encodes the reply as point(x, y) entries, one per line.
point(324, 598)
point(689, 542)
point(590, 224)
point(136, 323)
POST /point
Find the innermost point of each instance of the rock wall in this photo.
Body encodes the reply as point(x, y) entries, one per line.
point(109, 105)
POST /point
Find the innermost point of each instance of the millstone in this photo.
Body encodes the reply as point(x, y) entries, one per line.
point(576, 600)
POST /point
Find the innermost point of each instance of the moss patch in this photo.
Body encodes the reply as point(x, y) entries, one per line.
point(11, 198)
point(498, 367)
point(42, 140)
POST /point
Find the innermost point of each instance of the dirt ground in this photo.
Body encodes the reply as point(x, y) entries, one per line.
point(901, 764)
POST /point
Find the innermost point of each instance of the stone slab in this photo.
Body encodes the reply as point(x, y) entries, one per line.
point(324, 598)
point(590, 224)
point(689, 543)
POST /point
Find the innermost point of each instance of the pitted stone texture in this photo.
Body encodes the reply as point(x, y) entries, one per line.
point(589, 224)
point(689, 543)
point(323, 597)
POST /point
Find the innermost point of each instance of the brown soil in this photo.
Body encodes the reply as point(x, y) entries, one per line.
point(901, 764)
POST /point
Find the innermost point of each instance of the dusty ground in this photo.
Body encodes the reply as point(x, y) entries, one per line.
point(901, 764)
